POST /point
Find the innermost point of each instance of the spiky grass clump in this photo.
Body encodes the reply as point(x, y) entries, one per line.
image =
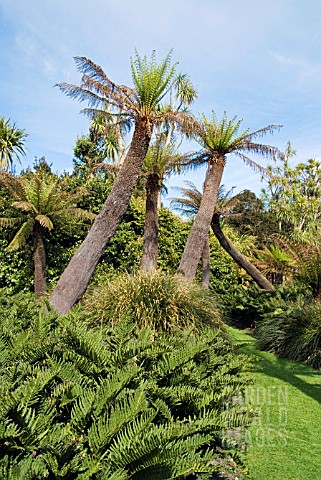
point(293, 331)
point(157, 300)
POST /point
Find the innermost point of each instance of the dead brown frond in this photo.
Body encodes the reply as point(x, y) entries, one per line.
point(251, 163)
point(263, 131)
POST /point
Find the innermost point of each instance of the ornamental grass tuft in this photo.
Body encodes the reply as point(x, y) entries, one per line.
point(158, 300)
point(293, 330)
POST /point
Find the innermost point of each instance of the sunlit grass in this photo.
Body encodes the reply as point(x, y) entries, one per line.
point(284, 442)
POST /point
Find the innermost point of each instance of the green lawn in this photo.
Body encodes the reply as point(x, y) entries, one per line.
point(284, 442)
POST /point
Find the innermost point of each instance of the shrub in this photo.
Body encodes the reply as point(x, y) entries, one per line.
point(157, 299)
point(245, 307)
point(292, 330)
point(115, 403)
point(17, 311)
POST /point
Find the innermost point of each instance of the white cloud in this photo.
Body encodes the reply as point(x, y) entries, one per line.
point(303, 67)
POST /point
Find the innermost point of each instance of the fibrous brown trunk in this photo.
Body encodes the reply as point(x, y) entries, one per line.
point(150, 246)
point(206, 270)
point(201, 226)
point(257, 276)
point(76, 277)
point(39, 259)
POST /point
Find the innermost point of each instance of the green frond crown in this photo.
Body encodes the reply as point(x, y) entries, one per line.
point(41, 199)
point(151, 80)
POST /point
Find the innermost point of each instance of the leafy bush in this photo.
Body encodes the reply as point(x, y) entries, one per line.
point(17, 311)
point(292, 330)
point(156, 299)
point(245, 307)
point(116, 403)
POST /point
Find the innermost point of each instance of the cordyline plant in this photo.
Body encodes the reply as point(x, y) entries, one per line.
point(141, 104)
point(12, 141)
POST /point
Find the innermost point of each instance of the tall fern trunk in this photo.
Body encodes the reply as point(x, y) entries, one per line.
point(76, 277)
point(237, 256)
point(206, 269)
point(39, 259)
point(150, 246)
point(201, 226)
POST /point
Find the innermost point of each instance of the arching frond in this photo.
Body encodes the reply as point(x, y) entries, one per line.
point(191, 198)
point(190, 201)
point(44, 221)
point(80, 213)
point(251, 163)
point(87, 67)
point(151, 80)
point(185, 122)
point(263, 131)
point(13, 185)
point(9, 222)
point(21, 236)
point(25, 206)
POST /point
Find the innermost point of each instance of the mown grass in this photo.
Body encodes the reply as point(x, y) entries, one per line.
point(284, 441)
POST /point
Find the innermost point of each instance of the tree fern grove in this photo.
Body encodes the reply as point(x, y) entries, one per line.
point(141, 105)
point(124, 363)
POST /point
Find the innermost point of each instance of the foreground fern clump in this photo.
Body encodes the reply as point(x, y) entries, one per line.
point(119, 403)
point(292, 330)
point(157, 299)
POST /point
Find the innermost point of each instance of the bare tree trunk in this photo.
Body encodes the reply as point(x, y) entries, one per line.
point(39, 259)
point(206, 269)
point(76, 277)
point(150, 246)
point(257, 276)
point(201, 226)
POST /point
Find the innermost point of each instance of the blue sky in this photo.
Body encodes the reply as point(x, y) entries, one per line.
point(258, 60)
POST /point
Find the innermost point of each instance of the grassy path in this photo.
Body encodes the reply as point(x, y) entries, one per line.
point(284, 442)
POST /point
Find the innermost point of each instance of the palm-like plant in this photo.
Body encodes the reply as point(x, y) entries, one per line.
point(161, 161)
point(277, 262)
point(12, 141)
point(109, 132)
point(189, 204)
point(218, 139)
point(142, 106)
point(41, 204)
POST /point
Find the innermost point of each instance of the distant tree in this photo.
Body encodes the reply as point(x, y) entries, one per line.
point(294, 198)
point(142, 106)
point(87, 157)
point(12, 140)
point(41, 204)
point(250, 216)
point(218, 139)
